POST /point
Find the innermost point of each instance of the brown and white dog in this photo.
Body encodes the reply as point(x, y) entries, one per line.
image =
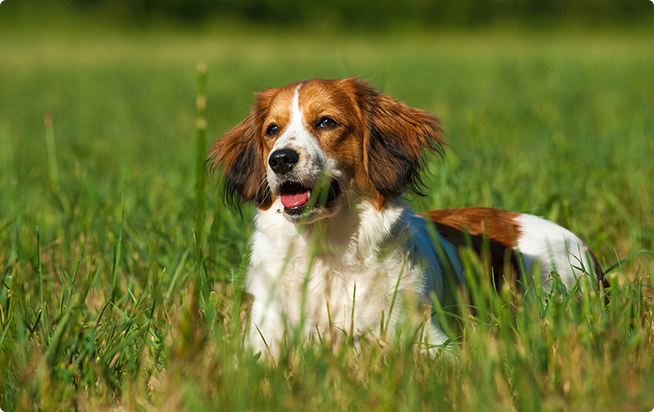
point(339, 261)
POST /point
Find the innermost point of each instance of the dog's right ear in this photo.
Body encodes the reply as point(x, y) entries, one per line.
point(240, 154)
point(395, 142)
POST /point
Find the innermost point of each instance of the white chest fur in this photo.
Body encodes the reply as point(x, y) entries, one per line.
point(305, 281)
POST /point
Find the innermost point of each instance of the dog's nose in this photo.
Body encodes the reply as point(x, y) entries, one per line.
point(282, 161)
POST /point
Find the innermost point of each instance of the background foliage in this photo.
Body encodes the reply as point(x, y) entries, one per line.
point(357, 14)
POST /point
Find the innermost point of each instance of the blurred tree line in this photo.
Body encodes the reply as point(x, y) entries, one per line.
point(360, 14)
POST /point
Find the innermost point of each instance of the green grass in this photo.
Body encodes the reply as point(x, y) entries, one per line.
point(122, 289)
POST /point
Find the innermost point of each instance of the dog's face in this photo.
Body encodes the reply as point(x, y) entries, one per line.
point(310, 146)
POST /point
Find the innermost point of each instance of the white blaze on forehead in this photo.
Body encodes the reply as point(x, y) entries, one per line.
point(295, 126)
point(297, 136)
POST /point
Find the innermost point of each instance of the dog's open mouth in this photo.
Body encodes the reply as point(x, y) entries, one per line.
point(296, 197)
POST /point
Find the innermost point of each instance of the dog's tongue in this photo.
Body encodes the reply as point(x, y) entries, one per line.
point(295, 199)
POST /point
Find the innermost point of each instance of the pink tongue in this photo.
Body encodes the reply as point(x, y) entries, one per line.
point(294, 199)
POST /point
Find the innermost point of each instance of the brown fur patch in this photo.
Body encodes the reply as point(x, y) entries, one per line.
point(394, 142)
point(333, 99)
point(498, 229)
point(490, 232)
point(242, 155)
point(380, 141)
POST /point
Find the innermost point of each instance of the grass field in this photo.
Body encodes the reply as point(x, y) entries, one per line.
point(114, 298)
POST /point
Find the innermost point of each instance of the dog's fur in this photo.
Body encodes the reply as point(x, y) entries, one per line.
point(349, 256)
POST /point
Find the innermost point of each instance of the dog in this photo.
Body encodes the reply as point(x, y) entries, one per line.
point(336, 250)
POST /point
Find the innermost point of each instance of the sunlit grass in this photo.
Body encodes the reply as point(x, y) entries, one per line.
point(122, 289)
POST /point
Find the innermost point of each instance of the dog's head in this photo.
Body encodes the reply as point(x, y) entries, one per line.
point(315, 143)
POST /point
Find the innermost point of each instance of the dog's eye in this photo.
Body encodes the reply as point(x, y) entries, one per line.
point(272, 130)
point(326, 123)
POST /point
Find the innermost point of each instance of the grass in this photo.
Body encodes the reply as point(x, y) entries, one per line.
point(122, 278)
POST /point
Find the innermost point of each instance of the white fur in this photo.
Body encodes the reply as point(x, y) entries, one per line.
point(360, 245)
point(555, 249)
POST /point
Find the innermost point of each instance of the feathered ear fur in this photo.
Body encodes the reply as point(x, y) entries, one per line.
point(394, 142)
point(241, 156)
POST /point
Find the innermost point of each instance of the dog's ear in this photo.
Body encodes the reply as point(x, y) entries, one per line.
point(240, 153)
point(394, 143)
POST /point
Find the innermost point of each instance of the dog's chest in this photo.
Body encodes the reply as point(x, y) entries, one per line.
point(349, 288)
point(328, 293)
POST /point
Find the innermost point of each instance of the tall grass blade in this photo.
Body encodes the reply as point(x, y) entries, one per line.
point(4, 287)
point(6, 326)
point(621, 262)
point(395, 291)
point(354, 298)
point(52, 152)
point(40, 266)
point(200, 144)
point(117, 252)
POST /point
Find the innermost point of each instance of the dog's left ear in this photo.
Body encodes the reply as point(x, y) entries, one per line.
point(241, 156)
point(238, 153)
point(394, 142)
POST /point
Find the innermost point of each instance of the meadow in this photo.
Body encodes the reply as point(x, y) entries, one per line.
point(122, 269)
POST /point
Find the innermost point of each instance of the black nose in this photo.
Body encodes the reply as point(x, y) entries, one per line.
point(282, 161)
